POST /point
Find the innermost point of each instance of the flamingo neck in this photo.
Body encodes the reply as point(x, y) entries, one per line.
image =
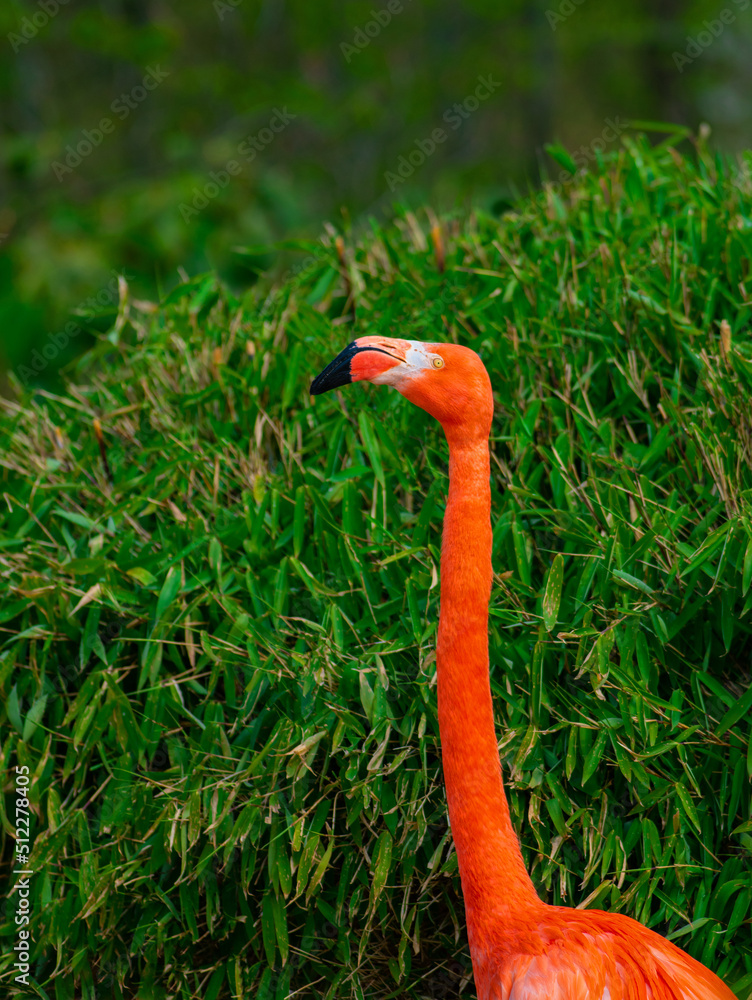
point(495, 884)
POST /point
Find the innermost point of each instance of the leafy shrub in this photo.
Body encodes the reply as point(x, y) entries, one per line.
point(218, 621)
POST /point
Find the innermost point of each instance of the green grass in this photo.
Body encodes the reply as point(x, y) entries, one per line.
point(216, 658)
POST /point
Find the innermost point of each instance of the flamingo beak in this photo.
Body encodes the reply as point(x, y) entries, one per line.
point(363, 359)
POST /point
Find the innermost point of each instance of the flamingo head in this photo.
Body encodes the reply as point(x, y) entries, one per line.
point(447, 380)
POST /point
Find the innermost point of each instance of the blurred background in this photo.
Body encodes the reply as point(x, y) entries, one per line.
point(158, 140)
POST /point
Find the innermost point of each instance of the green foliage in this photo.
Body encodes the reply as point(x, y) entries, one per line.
point(218, 626)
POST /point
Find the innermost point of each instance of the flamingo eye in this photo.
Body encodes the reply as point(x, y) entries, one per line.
point(438, 362)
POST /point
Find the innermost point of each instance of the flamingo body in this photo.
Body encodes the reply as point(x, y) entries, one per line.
point(567, 954)
point(522, 948)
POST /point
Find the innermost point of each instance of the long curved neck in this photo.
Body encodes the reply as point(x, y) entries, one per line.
point(495, 884)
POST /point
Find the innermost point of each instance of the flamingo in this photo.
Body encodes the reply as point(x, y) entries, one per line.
point(521, 947)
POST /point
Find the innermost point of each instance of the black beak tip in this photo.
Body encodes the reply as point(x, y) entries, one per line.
point(336, 373)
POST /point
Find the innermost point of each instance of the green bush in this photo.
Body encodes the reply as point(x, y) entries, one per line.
point(217, 625)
